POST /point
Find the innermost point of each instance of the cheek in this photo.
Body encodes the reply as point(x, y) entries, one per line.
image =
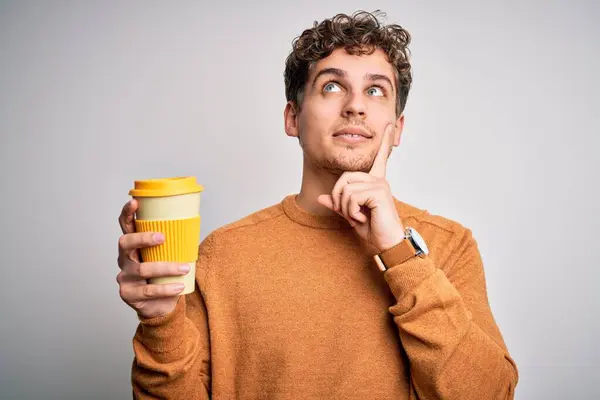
point(326, 104)
point(317, 119)
point(381, 115)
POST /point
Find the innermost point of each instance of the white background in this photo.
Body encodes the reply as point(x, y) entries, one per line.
point(501, 135)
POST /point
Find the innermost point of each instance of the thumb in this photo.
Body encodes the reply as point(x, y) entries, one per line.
point(127, 217)
point(326, 200)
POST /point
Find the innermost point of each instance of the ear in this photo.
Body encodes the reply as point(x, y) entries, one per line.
point(398, 130)
point(290, 119)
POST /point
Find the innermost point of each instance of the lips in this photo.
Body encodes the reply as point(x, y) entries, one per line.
point(353, 132)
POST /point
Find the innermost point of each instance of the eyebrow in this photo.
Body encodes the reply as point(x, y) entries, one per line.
point(342, 74)
point(329, 71)
point(379, 77)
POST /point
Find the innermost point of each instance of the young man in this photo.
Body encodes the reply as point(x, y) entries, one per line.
point(341, 291)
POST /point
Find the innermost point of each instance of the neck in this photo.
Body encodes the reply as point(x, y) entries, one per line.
point(315, 182)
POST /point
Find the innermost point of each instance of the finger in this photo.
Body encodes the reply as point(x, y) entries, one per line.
point(126, 219)
point(130, 242)
point(350, 207)
point(149, 270)
point(379, 165)
point(134, 293)
point(326, 200)
point(361, 200)
point(354, 209)
point(345, 179)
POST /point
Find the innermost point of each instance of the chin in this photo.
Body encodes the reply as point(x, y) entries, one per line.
point(351, 163)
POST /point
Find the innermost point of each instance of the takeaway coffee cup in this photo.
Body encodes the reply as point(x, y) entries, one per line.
point(170, 206)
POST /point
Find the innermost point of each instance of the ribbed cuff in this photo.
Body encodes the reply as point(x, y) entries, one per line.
point(403, 278)
point(165, 333)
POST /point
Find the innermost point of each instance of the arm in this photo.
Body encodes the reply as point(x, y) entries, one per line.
point(446, 326)
point(444, 321)
point(172, 352)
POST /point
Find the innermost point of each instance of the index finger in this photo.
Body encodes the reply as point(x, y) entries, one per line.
point(380, 163)
point(126, 219)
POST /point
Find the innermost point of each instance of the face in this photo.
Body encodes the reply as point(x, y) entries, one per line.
point(348, 101)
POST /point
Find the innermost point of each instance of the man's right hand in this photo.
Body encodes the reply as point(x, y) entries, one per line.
point(148, 300)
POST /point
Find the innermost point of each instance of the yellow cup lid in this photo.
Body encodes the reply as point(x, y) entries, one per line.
point(166, 187)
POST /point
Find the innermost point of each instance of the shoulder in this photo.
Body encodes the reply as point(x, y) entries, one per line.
point(446, 238)
point(426, 219)
point(258, 222)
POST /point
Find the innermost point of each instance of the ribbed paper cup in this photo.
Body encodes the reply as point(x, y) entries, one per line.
point(170, 206)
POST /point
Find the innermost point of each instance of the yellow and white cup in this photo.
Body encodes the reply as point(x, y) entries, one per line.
point(170, 206)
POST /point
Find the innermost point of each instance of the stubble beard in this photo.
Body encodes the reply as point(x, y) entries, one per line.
point(347, 158)
point(344, 160)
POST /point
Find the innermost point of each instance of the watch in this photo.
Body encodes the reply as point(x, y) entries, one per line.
point(413, 245)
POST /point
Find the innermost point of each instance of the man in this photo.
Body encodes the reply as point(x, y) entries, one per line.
point(341, 291)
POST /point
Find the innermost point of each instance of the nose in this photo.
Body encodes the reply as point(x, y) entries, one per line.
point(354, 106)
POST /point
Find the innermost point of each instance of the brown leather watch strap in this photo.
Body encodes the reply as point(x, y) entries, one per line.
point(398, 254)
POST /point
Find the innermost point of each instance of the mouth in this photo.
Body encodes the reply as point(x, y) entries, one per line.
point(352, 135)
point(353, 132)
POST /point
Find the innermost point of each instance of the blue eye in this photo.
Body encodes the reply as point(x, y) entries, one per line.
point(331, 87)
point(375, 91)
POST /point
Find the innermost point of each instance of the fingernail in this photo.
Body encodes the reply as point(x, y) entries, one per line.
point(158, 237)
point(184, 268)
point(178, 287)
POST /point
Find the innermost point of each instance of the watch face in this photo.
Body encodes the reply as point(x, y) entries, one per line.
point(418, 241)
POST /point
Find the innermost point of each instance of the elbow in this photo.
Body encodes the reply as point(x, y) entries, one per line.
point(511, 380)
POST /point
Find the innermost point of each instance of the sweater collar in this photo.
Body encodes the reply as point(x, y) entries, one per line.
point(303, 217)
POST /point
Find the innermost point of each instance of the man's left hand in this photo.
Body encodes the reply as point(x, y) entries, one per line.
point(366, 201)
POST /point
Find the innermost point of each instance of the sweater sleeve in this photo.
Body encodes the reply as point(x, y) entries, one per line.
point(172, 352)
point(447, 329)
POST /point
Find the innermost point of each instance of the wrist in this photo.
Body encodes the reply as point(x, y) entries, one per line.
point(392, 241)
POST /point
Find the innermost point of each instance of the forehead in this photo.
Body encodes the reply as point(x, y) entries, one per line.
point(356, 66)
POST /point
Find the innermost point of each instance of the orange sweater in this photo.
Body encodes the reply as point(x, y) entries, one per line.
point(291, 305)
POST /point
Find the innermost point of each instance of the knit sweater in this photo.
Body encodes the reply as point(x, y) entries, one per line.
point(291, 305)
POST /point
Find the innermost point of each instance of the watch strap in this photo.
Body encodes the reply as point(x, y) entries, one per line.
point(398, 254)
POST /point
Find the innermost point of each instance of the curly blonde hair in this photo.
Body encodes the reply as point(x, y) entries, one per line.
point(359, 33)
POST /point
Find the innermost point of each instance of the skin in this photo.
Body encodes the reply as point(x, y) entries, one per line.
point(345, 178)
point(148, 300)
point(349, 179)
